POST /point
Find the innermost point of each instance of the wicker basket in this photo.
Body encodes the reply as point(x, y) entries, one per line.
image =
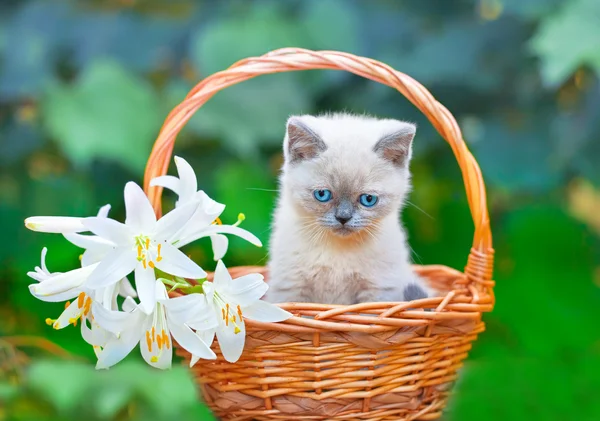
point(370, 361)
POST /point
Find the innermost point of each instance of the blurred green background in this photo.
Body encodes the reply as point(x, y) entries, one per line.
point(85, 86)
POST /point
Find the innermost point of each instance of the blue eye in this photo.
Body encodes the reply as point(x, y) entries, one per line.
point(368, 200)
point(322, 195)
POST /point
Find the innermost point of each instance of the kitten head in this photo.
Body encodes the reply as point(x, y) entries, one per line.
point(345, 173)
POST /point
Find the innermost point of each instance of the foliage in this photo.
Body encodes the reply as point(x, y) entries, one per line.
point(84, 87)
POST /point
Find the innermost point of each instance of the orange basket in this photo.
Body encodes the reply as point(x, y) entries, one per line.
point(368, 361)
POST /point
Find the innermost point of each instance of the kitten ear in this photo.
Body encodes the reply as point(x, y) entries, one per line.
point(396, 147)
point(301, 142)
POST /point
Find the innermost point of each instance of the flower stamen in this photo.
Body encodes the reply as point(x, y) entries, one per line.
point(80, 299)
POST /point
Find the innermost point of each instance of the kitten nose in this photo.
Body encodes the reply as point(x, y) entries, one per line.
point(342, 218)
point(343, 213)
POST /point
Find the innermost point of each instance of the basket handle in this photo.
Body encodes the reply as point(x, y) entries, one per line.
point(479, 265)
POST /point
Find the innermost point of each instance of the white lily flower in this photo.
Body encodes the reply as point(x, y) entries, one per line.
point(154, 331)
point(141, 244)
point(232, 300)
point(65, 286)
point(58, 286)
point(205, 222)
point(79, 309)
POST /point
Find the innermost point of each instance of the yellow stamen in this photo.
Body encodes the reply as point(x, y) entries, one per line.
point(159, 342)
point(147, 243)
point(239, 309)
point(217, 222)
point(67, 304)
point(159, 257)
point(80, 299)
point(151, 264)
point(153, 334)
point(154, 359)
point(234, 319)
point(227, 313)
point(73, 321)
point(237, 330)
point(139, 251)
point(223, 312)
point(166, 340)
point(144, 263)
point(148, 341)
point(87, 306)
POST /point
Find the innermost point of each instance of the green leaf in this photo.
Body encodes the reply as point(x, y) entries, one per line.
point(108, 113)
point(568, 40)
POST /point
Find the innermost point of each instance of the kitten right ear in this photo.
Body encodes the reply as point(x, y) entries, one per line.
point(301, 142)
point(396, 147)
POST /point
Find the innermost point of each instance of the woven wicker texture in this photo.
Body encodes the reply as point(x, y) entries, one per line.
point(370, 361)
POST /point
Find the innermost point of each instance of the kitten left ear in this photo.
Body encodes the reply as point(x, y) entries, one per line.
point(301, 142)
point(397, 146)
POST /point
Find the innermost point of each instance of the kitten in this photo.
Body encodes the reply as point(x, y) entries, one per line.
point(336, 236)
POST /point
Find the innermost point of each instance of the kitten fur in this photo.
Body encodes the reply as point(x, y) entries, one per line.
point(314, 257)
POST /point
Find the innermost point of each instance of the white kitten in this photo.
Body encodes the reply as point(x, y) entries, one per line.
point(336, 236)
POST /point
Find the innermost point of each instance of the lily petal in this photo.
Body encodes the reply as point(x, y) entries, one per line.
point(219, 245)
point(188, 308)
point(94, 255)
point(109, 229)
point(209, 205)
point(231, 343)
point(187, 177)
point(247, 283)
point(117, 321)
point(88, 241)
point(174, 222)
point(43, 260)
point(167, 181)
point(118, 348)
point(115, 266)
point(95, 336)
point(163, 355)
point(220, 229)
point(54, 298)
point(55, 224)
point(125, 288)
point(222, 278)
point(103, 212)
point(191, 342)
point(129, 305)
point(139, 213)
point(208, 337)
point(174, 262)
point(73, 311)
point(145, 284)
point(62, 282)
point(263, 311)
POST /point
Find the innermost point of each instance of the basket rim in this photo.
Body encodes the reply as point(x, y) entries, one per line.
point(462, 303)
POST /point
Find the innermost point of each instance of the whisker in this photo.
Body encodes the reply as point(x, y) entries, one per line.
point(418, 208)
point(259, 189)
